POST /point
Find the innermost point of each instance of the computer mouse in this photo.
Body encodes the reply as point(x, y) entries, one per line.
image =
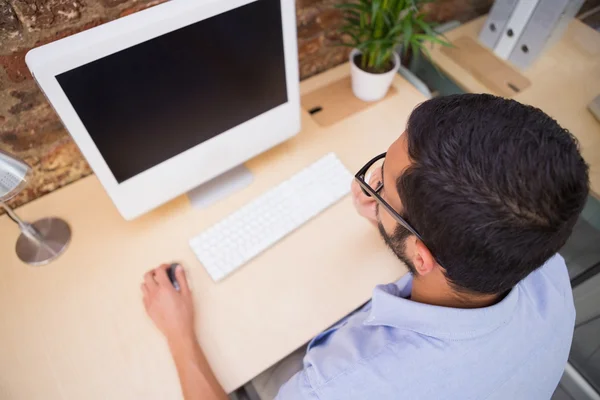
point(171, 274)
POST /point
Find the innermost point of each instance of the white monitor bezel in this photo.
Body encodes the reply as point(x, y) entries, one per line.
point(183, 172)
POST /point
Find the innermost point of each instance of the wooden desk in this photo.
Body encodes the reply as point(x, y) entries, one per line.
point(76, 329)
point(564, 80)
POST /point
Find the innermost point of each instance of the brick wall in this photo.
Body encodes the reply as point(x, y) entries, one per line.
point(29, 127)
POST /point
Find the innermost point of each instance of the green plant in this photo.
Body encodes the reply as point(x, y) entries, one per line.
point(377, 27)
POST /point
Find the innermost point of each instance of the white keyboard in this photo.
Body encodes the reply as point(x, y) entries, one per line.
point(258, 225)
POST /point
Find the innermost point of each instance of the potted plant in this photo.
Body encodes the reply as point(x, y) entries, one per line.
point(375, 29)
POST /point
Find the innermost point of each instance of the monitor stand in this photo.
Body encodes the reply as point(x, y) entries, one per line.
point(220, 187)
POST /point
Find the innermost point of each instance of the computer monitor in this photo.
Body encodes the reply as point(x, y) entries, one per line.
point(169, 98)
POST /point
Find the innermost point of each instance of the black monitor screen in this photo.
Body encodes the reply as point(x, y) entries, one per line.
point(150, 102)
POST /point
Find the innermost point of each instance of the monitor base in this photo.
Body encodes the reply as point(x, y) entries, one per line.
point(220, 187)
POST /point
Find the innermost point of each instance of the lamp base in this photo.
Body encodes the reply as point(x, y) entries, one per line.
point(55, 235)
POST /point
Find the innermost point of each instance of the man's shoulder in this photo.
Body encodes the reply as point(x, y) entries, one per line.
point(355, 365)
point(370, 359)
point(357, 359)
point(550, 281)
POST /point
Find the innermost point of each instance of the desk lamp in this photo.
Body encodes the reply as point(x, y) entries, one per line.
point(41, 241)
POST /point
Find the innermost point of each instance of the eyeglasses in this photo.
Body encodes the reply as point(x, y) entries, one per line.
point(369, 168)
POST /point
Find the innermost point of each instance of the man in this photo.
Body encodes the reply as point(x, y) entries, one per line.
point(476, 198)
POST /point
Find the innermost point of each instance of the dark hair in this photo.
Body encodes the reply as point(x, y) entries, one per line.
point(494, 188)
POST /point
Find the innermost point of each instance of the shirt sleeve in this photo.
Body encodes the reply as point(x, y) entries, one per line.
point(297, 388)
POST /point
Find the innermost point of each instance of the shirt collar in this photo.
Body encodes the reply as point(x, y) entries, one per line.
point(390, 308)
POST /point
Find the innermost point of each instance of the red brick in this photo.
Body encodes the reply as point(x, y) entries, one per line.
point(9, 24)
point(69, 31)
point(309, 30)
point(27, 100)
point(333, 36)
point(15, 67)
point(308, 47)
point(53, 167)
point(326, 58)
point(140, 7)
point(8, 138)
point(113, 3)
point(61, 156)
point(306, 15)
point(461, 10)
point(44, 14)
point(14, 64)
point(330, 18)
point(307, 3)
point(33, 135)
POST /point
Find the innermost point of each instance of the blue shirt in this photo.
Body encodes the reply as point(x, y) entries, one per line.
point(394, 348)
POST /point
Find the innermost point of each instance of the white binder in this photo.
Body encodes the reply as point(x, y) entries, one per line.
point(547, 24)
point(515, 27)
point(496, 21)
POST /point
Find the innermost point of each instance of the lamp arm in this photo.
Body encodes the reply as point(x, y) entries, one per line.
point(26, 228)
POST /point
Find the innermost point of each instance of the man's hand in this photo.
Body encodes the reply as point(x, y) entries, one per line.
point(173, 314)
point(171, 311)
point(366, 206)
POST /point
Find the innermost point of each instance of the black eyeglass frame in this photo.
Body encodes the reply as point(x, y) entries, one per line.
point(369, 191)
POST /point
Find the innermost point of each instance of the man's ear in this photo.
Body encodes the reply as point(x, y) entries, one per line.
point(424, 261)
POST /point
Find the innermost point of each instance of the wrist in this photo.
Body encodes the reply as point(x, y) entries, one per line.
point(182, 341)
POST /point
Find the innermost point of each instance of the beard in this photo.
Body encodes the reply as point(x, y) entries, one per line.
point(397, 243)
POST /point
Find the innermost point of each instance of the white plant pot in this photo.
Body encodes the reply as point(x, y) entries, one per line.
point(371, 87)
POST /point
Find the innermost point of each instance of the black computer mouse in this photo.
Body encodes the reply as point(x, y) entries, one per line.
point(171, 274)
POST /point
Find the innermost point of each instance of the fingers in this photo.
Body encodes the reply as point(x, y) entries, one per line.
point(182, 280)
point(359, 197)
point(158, 278)
point(358, 194)
point(149, 281)
point(161, 277)
point(144, 289)
point(146, 295)
point(371, 211)
point(355, 188)
point(375, 178)
point(366, 206)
